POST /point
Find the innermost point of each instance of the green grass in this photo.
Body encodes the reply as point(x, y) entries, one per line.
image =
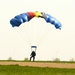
point(25, 70)
point(38, 61)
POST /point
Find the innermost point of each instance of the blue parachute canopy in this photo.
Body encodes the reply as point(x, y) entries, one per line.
point(25, 17)
point(19, 19)
point(53, 21)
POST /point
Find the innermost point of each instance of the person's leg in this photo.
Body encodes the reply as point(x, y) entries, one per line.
point(30, 58)
point(33, 58)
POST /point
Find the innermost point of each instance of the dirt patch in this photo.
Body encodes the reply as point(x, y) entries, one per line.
point(41, 64)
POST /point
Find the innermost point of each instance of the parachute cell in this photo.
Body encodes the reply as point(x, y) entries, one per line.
point(31, 14)
point(15, 22)
point(38, 14)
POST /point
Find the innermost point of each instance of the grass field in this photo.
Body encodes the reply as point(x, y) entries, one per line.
point(26, 70)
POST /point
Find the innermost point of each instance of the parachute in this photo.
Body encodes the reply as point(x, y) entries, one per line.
point(26, 17)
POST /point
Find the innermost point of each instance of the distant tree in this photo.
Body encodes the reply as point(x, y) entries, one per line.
point(72, 60)
point(10, 58)
point(56, 59)
point(26, 59)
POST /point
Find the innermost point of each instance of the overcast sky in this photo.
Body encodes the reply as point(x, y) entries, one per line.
point(51, 42)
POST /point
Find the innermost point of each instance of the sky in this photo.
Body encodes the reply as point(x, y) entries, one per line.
point(51, 43)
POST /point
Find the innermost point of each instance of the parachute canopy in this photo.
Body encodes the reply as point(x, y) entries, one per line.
point(26, 17)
